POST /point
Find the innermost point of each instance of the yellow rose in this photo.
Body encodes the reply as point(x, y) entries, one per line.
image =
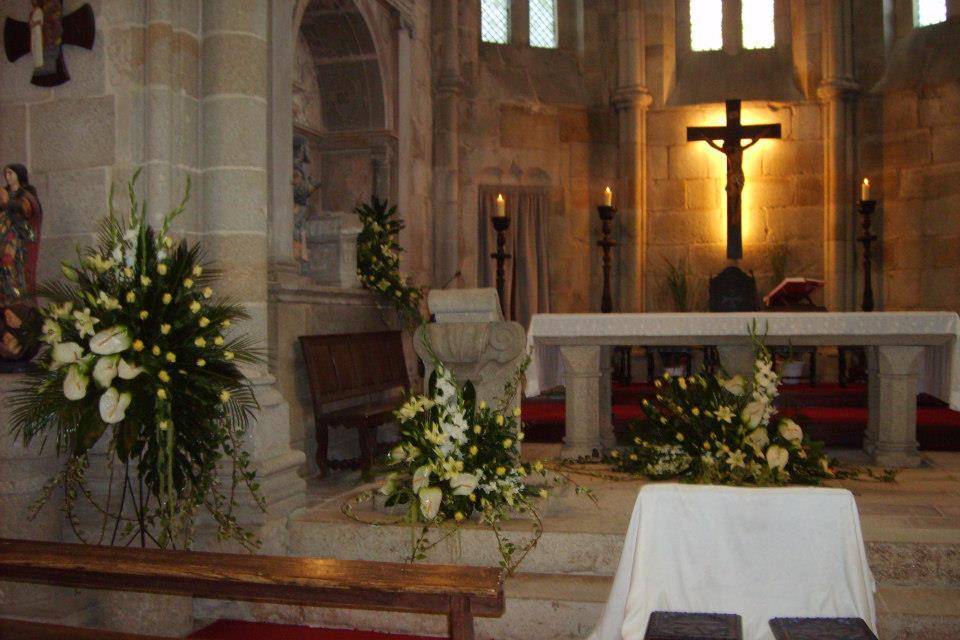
point(197, 271)
point(195, 307)
point(499, 420)
point(166, 298)
point(145, 281)
point(165, 328)
point(137, 345)
point(171, 357)
point(501, 471)
point(207, 292)
point(164, 376)
point(473, 497)
point(474, 450)
point(131, 296)
point(218, 341)
point(201, 362)
point(187, 283)
point(155, 350)
point(224, 396)
point(507, 443)
point(225, 324)
point(162, 394)
point(144, 314)
point(228, 355)
point(204, 322)
point(477, 429)
point(200, 342)
point(162, 269)
point(458, 516)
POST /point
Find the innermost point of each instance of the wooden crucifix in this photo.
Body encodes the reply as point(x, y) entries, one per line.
point(731, 136)
point(43, 36)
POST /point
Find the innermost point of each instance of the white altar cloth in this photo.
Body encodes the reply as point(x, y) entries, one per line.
point(757, 552)
point(937, 331)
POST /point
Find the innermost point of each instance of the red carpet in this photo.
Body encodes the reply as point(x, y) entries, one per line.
point(240, 630)
point(828, 412)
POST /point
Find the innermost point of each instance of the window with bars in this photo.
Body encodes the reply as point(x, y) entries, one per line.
point(706, 25)
point(495, 21)
point(543, 23)
point(927, 12)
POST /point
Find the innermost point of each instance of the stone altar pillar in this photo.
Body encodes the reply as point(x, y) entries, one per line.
point(471, 338)
point(585, 380)
point(891, 432)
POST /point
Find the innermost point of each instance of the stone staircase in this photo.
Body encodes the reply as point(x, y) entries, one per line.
point(911, 528)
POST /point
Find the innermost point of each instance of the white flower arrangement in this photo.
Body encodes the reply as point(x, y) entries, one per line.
point(724, 430)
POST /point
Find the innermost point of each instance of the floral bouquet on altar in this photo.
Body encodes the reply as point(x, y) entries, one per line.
point(712, 429)
point(139, 356)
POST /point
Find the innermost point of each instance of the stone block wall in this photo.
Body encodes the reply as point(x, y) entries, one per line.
point(686, 201)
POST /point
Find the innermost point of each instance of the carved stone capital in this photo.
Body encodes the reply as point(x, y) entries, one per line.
point(632, 96)
point(838, 88)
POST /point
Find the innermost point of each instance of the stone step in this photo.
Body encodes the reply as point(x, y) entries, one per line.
point(563, 606)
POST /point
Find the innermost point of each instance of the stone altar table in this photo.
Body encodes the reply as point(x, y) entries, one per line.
point(907, 352)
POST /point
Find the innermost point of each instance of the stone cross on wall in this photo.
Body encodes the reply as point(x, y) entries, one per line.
point(731, 136)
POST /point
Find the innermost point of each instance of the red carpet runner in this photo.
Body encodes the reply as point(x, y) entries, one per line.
point(240, 630)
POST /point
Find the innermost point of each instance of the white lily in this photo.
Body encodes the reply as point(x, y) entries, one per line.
point(113, 405)
point(106, 302)
point(61, 310)
point(52, 332)
point(430, 498)
point(398, 454)
point(65, 353)
point(75, 384)
point(105, 370)
point(421, 477)
point(110, 341)
point(84, 322)
point(127, 371)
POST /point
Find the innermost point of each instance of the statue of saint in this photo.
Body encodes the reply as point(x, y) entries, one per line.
point(20, 218)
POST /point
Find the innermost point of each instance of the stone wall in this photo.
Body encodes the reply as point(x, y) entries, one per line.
point(919, 215)
point(542, 117)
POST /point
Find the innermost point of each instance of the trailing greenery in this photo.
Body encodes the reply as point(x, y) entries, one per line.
point(713, 429)
point(139, 355)
point(378, 260)
point(676, 284)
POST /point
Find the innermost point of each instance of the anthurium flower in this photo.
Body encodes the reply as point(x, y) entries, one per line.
point(113, 405)
point(463, 484)
point(430, 498)
point(777, 457)
point(111, 341)
point(105, 370)
point(75, 384)
point(421, 477)
point(734, 385)
point(127, 371)
point(65, 353)
point(790, 430)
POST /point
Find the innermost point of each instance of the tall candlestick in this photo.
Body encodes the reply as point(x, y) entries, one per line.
point(607, 197)
point(501, 206)
point(606, 243)
point(865, 189)
point(500, 224)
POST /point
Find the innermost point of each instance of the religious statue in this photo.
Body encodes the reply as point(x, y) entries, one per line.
point(20, 219)
point(304, 186)
point(43, 36)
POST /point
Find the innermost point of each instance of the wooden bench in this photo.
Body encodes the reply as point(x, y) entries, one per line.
point(458, 592)
point(356, 380)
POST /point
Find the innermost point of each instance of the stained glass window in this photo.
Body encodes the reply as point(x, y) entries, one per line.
point(495, 21)
point(930, 12)
point(543, 23)
point(758, 25)
point(706, 25)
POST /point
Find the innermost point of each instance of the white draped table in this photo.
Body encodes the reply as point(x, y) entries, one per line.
point(759, 553)
point(907, 352)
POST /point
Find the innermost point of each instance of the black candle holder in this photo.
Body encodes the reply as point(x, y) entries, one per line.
point(866, 209)
point(606, 243)
point(500, 225)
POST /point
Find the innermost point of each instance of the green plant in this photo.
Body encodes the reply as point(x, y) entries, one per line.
point(675, 282)
point(710, 429)
point(140, 355)
point(378, 260)
point(780, 257)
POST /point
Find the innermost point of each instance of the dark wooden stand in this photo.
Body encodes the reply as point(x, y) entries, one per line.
point(606, 243)
point(500, 225)
point(866, 209)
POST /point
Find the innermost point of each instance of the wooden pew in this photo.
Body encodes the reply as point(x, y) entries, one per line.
point(458, 592)
point(346, 368)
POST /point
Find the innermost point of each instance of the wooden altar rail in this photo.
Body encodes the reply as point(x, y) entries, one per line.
point(458, 592)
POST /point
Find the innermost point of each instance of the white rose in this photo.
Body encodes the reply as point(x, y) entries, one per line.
point(790, 430)
point(75, 384)
point(734, 385)
point(421, 477)
point(113, 405)
point(463, 484)
point(105, 370)
point(430, 498)
point(110, 341)
point(65, 353)
point(777, 457)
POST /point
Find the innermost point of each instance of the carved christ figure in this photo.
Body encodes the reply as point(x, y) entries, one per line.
point(735, 178)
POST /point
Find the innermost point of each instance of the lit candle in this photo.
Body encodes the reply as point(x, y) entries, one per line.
point(865, 189)
point(501, 206)
point(607, 197)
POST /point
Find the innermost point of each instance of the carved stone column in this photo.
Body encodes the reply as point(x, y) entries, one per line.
point(583, 374)
point(631, 101)
point(446, 128)
point(838, 93)
point(280, 150)
point(893, 412)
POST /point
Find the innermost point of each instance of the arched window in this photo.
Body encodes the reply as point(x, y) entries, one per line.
point(927, 12)
point(495, 21)
point(543, 23)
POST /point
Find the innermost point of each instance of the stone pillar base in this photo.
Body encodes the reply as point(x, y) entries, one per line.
point(893, 408)
point(582, 371)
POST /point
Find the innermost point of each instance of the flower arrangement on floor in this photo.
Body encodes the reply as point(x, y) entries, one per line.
point(378, 260)
point(139, 355)
point(712, 429)
point(459, 459)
